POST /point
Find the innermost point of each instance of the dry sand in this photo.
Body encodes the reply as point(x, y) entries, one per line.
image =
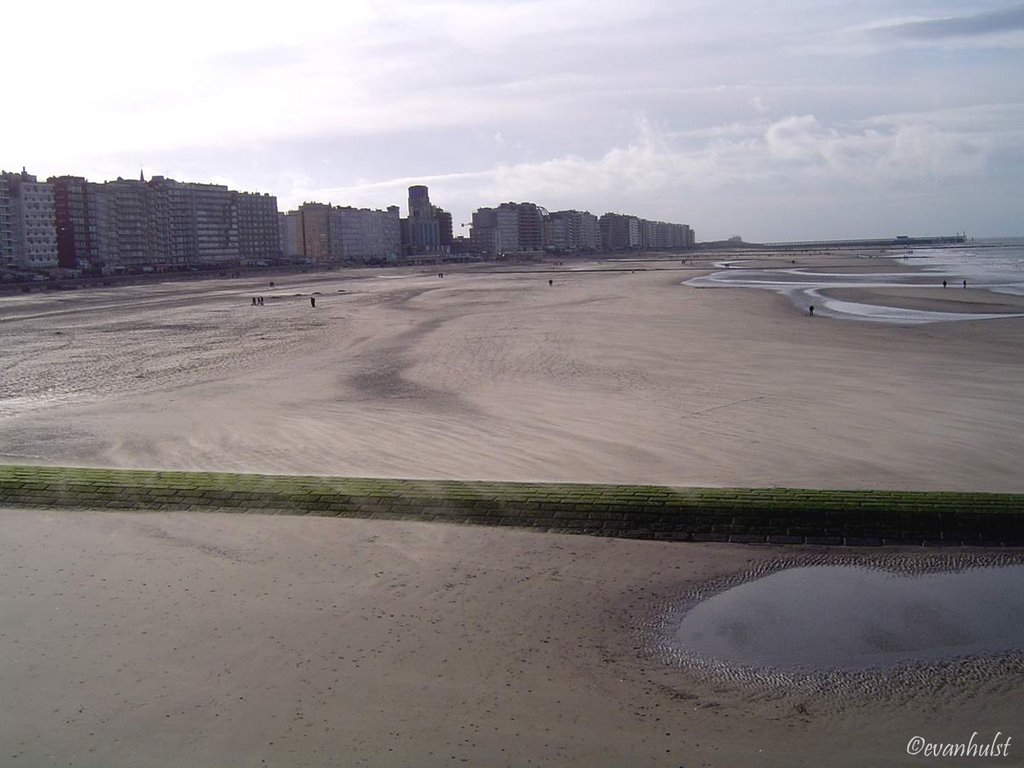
point(608, 376)
point(210, 640)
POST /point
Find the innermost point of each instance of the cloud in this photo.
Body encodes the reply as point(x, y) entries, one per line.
point(766, 168)
point(256, 59)
point(985, 23)
point(698, 109)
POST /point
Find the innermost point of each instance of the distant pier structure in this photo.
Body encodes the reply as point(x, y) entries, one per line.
point(892, 242)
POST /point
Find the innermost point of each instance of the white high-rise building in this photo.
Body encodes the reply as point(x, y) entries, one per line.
point(362, 234)
point(33, 225)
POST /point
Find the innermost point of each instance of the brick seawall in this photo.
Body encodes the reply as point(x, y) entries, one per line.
point(745, 515)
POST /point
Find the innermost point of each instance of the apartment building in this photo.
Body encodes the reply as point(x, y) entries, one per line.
point(364, 235)
point(120, 212)
point(290, 232)
point(6, 224)
point(330, 234)
point(507, 223)
point(76, 247)
point(33, 223)
point(216, 224)
point(590, 232)
point(259, 238)
point(508, 228)
point(315, 226)
point(168, 224)
point(483, 232)
point(619, 232)
point(531, 226)
point(572, 231)
point(446, 234)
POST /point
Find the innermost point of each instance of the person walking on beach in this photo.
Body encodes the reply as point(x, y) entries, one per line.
point(254, 301)
point(312, 301)
point(943, 283)
point(551, 282)
point(811, 310)
point(965, 283)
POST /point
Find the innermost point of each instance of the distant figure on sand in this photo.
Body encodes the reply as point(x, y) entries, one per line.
point(254, 301)
point(965, 283)
point(811, 310)
point(551, 282)
point(312, 302)
point(943, 283)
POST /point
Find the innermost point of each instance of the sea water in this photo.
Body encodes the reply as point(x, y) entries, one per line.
point(997, 265)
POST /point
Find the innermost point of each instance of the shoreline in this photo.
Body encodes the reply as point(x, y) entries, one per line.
point(921, 298)
point(934, 299)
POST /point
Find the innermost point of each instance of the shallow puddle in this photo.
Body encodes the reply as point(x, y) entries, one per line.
point(852, 617)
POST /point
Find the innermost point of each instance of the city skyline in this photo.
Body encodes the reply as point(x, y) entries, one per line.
point(68, 222)
point(811, 121)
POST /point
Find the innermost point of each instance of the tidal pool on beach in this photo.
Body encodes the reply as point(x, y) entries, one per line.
point(854, 618)
point(805, 287)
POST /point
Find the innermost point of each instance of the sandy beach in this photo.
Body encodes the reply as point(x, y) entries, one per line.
point(615, 373)
point(209, 639)
point(203, 640)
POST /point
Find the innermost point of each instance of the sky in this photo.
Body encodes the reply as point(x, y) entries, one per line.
point(806, 119)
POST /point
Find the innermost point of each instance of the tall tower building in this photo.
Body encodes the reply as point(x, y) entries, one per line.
point(75, 247)
point(424, 228)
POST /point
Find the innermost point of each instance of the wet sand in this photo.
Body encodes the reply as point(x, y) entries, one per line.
point(609, 375)
point(182, 639)
point(933, 299)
